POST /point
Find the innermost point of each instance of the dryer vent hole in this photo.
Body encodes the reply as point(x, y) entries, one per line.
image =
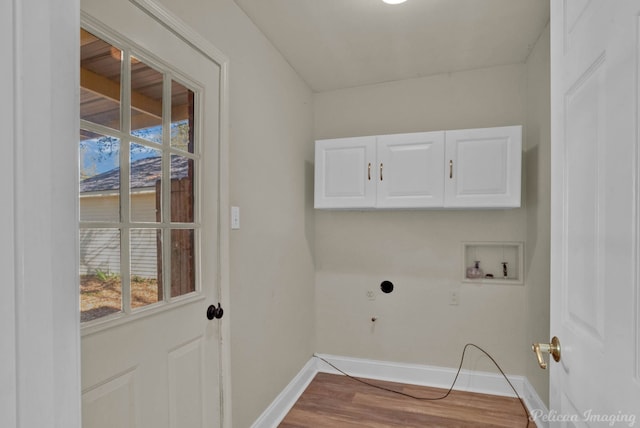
point(386, 286)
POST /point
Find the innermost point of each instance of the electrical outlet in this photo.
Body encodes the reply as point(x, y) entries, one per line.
point(371, 295)
point(454, 298)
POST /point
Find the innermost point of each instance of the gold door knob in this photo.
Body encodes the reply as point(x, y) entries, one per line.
point(552, 348)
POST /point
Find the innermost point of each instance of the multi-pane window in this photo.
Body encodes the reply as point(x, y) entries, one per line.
point(138, 180)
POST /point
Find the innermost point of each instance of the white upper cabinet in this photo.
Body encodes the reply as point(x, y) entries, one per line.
point(473, 168)
point(344, 173)
point(483, 167)
point(410, 170)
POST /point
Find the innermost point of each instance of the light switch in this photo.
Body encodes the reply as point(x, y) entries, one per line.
point(235, 218)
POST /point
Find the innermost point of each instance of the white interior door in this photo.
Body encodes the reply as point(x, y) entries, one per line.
point(148, 224)
point(594, 246)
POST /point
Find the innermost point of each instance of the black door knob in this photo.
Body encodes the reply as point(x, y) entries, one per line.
point(215, 312)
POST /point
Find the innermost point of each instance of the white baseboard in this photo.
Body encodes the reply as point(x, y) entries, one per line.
point(278, 409)
point(439, 377)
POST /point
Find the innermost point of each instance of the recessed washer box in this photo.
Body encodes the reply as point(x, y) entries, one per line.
point(492, 257)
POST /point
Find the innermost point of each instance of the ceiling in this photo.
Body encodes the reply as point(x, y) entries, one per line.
point(336, 44)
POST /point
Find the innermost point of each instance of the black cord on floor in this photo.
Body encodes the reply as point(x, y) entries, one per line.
point(452, 385)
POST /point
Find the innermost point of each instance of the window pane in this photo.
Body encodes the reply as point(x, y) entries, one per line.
point(145, 183)
point(100, 285)
point(181, 189)
point(182, 262)
point(100, 65)
point(146, 250)
point(182, 117)
point(146, 101)
point(99, 177)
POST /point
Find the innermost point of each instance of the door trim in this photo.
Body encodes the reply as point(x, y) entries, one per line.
point(194, 39)
point(41, 336)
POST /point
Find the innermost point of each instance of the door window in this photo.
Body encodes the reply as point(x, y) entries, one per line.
point(139, 166)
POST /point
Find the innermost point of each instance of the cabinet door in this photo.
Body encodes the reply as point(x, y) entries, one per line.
point(410, 171)
point(483, 167)
point(344, 173)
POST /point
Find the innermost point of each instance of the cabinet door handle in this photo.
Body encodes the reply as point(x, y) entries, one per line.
point(450, 168)
point(381, 171)
point(369, 171)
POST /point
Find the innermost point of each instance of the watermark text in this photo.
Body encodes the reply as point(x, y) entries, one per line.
point(611, 419)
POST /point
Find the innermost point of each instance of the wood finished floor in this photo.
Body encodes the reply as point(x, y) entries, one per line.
point(339, 402)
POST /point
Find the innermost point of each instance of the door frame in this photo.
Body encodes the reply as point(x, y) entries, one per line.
point(40, 328)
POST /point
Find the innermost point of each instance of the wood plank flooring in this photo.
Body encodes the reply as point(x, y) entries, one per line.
point(339, 402)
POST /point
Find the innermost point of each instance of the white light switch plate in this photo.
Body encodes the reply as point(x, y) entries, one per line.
point(235, 218)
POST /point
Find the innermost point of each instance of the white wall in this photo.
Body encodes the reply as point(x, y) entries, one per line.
point(8, 326)
point(271, 151)
point(538, 178)
point(420, 251)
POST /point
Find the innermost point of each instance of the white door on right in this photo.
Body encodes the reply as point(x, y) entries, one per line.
point(595, 292)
